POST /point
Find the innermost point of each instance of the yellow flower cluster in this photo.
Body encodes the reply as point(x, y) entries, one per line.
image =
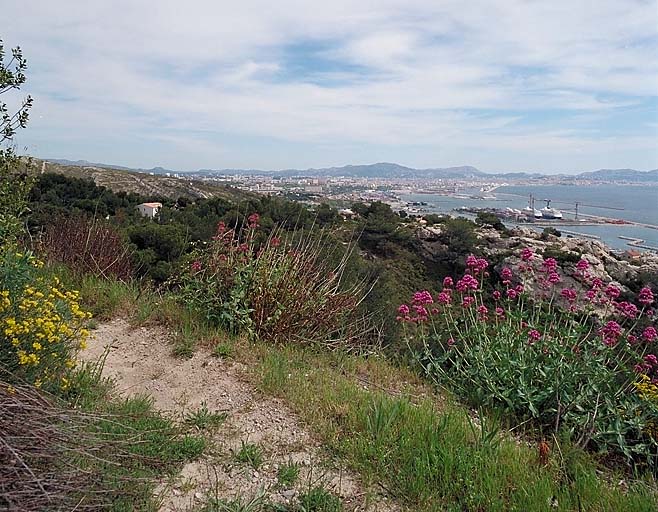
point(41, 329)
point(647, 389)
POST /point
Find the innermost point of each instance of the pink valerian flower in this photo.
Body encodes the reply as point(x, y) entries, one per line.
point(527, 254)
point(597, 283)
point(650, 334)
point(651, 359)
point(471, 261)
point(423, 297)
point(500, 311)
point(447, 282)
point(590, 295)
point(569, 293)
point(403, 309)
point(627, 309)
point(519, 288)
point(253, 219)
point(512, 293)
point(612, 291)
point(549, 264)
point(496, 295)
point(483, 311)
point(468, 282)
point(506, 274)
point(650, 313)
point(641, 367)
point(534, 335)
point(275, 241)
point(468, 301)
point(221, 228)
point(196, 266)
point(444, 298)
point(582, 265)
point(610, 333)
point(476, 265)
point(554, 278)
point(421, 311)
point(645, 297)
point(632, 339)
point(451, 342)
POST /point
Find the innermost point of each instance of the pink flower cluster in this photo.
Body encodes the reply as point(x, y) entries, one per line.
point(445, 297)
point(476, 265)
point(650, 334)
point(611, 332)
point(570, 294)
point(527, 254)
point(422, 298)
point(627, 309)
point(253, 220)
point(645, 297)
point(648, 365)
point(468, 282)
point(534, 335)
point(549, 265)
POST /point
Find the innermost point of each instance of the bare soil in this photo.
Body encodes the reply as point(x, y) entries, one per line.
point(140, 362)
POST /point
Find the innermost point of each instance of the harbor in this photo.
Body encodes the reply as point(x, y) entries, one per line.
point(627, 226)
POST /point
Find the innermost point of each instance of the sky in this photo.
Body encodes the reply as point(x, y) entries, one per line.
point(503, 85)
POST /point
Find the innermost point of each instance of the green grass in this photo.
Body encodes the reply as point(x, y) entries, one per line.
point(107, 299)
point(204, 419)
point(287, 474)
point(425, 450)
point(222, 350)
point(141, 445)
point(250, 454)
point(318, 499)
point(430, 455)
point(256, 503)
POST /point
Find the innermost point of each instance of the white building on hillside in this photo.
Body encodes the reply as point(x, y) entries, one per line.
point(149, 209)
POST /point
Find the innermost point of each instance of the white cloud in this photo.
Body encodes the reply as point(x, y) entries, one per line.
point(405, 74)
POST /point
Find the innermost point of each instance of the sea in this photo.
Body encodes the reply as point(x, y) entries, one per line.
point(637, 203)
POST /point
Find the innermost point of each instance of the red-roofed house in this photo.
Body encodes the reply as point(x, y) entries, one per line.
point(149, 209)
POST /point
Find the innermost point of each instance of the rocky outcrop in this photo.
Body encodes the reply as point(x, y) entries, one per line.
point(603, 262)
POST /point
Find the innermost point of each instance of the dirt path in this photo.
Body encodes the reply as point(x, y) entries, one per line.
point(141, 363)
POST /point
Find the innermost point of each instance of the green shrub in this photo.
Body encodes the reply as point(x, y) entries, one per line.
point(276, 290)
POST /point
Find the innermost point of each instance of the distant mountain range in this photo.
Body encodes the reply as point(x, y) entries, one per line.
point(391, 170)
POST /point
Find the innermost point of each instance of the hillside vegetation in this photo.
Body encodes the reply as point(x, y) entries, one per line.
point(347, 322)
point(143, 183)
point(432, 377)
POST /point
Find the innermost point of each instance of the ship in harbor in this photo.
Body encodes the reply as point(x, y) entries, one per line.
point(550, 213)
point(530, 211)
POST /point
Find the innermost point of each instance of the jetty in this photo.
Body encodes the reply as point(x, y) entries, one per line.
point(637, 242)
